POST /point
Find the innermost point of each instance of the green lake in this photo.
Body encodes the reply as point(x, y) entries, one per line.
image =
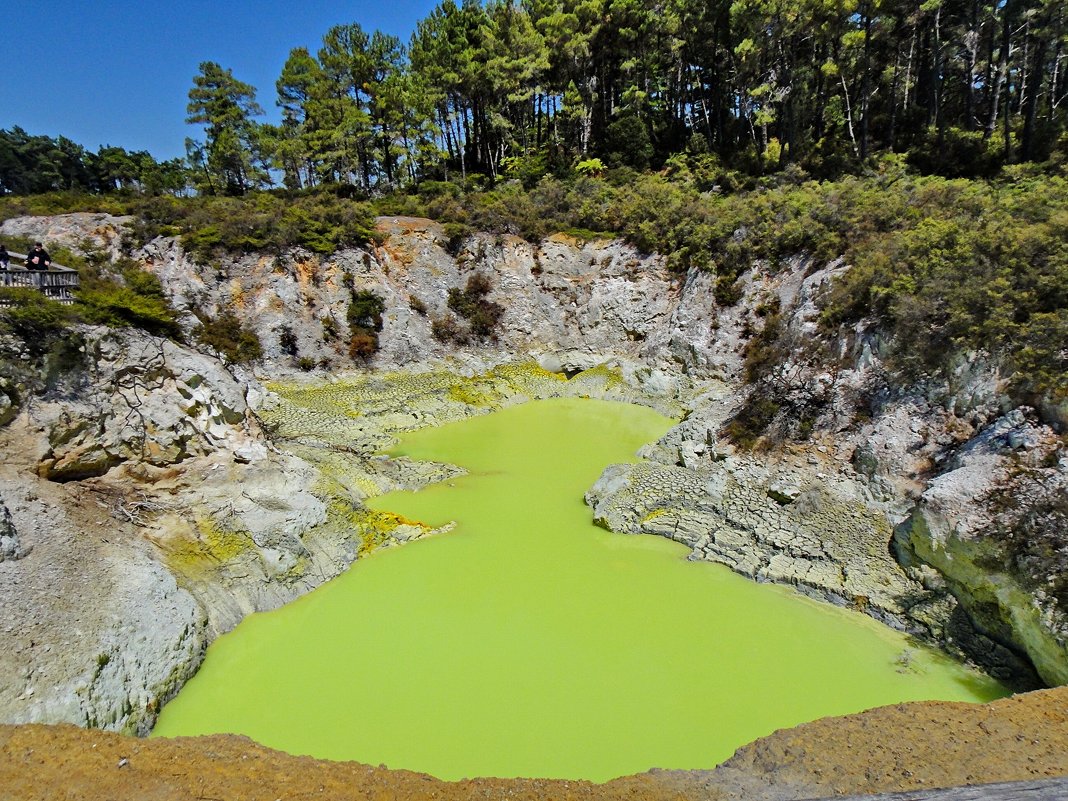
point(528, 642)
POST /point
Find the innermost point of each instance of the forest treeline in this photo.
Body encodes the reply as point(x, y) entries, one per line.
point(523, 89)
point(33, 164)
point(925, 144)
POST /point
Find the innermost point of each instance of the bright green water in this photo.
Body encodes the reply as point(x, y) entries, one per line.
point(529, 642)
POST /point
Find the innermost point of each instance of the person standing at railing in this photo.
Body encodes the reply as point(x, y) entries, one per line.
point(38, 258)
point(5, 260)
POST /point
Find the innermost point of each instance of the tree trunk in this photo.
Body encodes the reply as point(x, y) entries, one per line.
point(892, 134)
point(849, 114)
point(865, 83)
point(1002, 77)
point(1027, 144)
point(971, 45)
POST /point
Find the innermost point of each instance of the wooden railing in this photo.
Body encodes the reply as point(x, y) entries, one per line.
point(57, 282)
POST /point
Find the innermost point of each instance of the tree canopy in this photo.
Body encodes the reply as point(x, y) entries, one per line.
point(520, 89)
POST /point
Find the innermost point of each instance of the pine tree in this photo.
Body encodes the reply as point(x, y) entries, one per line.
point(225, 107)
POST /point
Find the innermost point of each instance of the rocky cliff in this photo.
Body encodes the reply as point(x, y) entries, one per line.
point(238, 494)
point(578, 304)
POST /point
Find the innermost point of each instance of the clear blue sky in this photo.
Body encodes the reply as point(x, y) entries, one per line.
point(117, 73)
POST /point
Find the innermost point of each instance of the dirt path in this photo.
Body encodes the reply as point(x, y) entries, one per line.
point(903, 747)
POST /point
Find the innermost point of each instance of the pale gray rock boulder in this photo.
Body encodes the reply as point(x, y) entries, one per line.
point(7, 406)
point(896, 451)
point(11, 547)
point(150, 401)
point(95, 631)
point(992, 525)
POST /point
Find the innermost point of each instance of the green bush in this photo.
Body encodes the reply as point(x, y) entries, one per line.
point(210, 226)
point(765, 349)
point(527, 169)
point(965, 265)
point(956, 153)
point(627, 142)
point(751, 421)
point(590, 167)
point(51, 203)
point(35, 319)
point(364, 317)
point(330, 329)
point(455, 234)
point(365, 310)
point(124, 296)
point(482, 315)
point(228, 337)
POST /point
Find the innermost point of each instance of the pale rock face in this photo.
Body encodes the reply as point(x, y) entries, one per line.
point(585, 302)
point(95, 630)
point(893, 456)
point(182, 521)
point(153, 402)
point(959, 527)
point(783, 523)
point(11, 547)
point(78, 232)
point(581, 303)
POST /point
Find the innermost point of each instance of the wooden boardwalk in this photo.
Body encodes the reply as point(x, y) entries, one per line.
point(57, 282)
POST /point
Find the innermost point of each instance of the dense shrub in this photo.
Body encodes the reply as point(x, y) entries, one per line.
point(52, 350)
point(365, 322)
point(229, 338)
point(751, 421)
point(455, 234)
point(119, 295)
point(35, 319)
point(321, 222)
point(956, 153)
point(287, 340)
point(482, 315)
point(966, 265)
point(124, 295)
point(67, 202)
point(527, 169)
point(365, 310)
point(765, 349)
point(448, 329)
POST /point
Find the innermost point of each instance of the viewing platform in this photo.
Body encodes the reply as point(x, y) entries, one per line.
point(57, 282)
